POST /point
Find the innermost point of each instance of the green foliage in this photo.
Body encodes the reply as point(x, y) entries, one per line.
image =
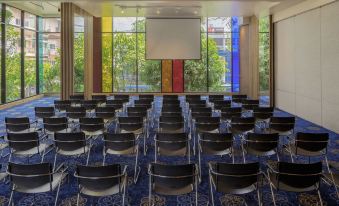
point(264, 55)
point(79, 60)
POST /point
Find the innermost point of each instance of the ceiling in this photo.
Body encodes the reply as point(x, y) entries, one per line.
point(156, 8)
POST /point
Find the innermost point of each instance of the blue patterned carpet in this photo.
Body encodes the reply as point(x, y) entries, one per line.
point(137, 193)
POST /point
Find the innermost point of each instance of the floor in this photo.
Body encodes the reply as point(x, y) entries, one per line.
point(137, 193)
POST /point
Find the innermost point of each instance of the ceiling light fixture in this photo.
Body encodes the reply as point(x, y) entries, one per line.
point(195, 12)
point(158, 11)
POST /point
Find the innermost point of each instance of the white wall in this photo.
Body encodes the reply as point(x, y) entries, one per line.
point(307, 65)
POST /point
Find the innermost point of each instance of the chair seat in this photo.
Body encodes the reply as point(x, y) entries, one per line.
point(57, 178)
point(32, 151)
point(100, 193)
point(128, 151)
point(3, 145)
point(3, 175)
point(67, 130)
point(94, 133)
point(173, 191)
point(303, 152)
point(208, 151)
point(288, 188)
point(335, 177)
point(136, 132)
point(79, 151)
point(32, 129)
point(260, 153)
point(159, 130)
point(167, 152)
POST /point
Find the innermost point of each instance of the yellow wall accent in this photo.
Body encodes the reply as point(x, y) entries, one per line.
point(166, 75)
point(107, 25)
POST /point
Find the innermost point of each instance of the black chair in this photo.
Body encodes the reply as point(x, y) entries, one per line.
point(89, 105)
point(171, 124)
point(20, 125)
point(137, 112)
point(238, 98)
point(100, 98)
point(35, 178)
point(172, 144)
point(61, 105)
point(122, 97)
point(196, 103)
point(207, 124)
point(219, 104)
point(71, 144)
point(125, 144)
point(171, 102)
point(309, 145)
point(260, 144)
point(107, 113)
point(216, 97)
point(144, 103)
point(92, 126)
point(146, 96)
point(135, 125)
point(217, 144)
point(116, 103)
point(227, 113)
point(55, 124)
point(293, 177)
point(193, 97)
point(282, 125)
point(98, 181)
point(75, 113)
point(27, 145)
point(262, 116)
point(235, 179)
point(249, 104)
point(170, 97)
point(76, 99)
point(42, 112)
point(242, 125)
point(332, 177)
point(173, 180)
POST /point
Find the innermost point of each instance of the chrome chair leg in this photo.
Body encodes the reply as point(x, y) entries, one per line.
point(272, 194)
point(11, 198)
point(211, 189)
point(320, 199)
point(78, 198)
point(57, 194)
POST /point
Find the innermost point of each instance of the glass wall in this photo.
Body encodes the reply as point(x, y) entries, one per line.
point(79, 53)
point(264, 59)
point(124, 66)
point(30, 31)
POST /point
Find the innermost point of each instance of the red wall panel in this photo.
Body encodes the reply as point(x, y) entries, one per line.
point(178, 76)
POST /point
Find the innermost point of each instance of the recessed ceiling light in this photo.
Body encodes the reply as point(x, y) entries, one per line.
point(195, 12)
point(158, 12)
point(122, 11)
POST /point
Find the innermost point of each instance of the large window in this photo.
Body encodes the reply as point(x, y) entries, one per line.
point(264, 59)
point(79, 52)
point(124, 66)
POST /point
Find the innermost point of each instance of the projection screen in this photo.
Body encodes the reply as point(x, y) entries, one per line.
point(173, 38)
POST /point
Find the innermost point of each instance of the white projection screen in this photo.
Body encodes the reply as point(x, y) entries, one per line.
point(173, 38)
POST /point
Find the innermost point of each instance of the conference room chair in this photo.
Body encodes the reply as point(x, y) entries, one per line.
point(99, 181)
point(248, 105)
point(238, 98)
point(107, 113)
point(51, 125)
point(294, 177)
point(282, 125)
point(76, 99)
point(61, 105)
point(75, 113)
point(170, 97)
point(100, 98)
point(192, 97)
point(172, 180)
point(136, 125)
point(171, 124)
point(122, 144)
point(122, 97)
point(308, 145)
point(171, 102)
point(20, 125)
point(148, 103)
point(71, 145)
point(35, 179)
point(93, 127)
point(262, 116)
point(227, 113)
point(27, 145)
point(219, 104)
point(204, 124)
point(260, 145)
point(89, 105)
point(216, 97)
point(118, 104)
point(172, 144)
point(214, 144)
point(242, 125)
point(171, 111)
point(236, 179)
point(332, 177)
point(196, 103)
point(42, 112)
point(146, 96)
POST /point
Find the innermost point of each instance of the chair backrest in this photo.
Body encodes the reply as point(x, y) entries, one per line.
point(69, 141)
point(89, 104)
point(117, 103)
point(130, 124)
point(55, 124)
point(262, 142)
point(99, 97)
point(205, 124)
point(242, 124)
point(200, 114)
point(146, 96)
point(299, 175)
point(201, 109)
point(171, 141)
point(193, 97)
point(218, 104)
point(62, 104)
point(173, 177)
point(215, 143)
point(282, 124)
point(123, 97)
point(249, 104)
point(169, 109)
point(23, 141)
point(16, 124)
point(94, 178)
point(313, 142)
point(263, 113)
point(18, 174)
point(91, 124)
point(77, 97)
point(136, 109)
point(170, 97)
point(171, 102)
point(238, 98)
point(234, 177)
point(196, 103)
point(214, 98)
point(42, 112)
point(105, 112)
point(227, 113)
point(171, 119)
point(119, 141)
point(75, 112)
point(171, 123)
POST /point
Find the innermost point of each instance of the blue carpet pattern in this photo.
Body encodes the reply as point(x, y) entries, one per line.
point(138, 193)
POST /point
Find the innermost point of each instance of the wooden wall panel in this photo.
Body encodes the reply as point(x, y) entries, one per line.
point(166, 75)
